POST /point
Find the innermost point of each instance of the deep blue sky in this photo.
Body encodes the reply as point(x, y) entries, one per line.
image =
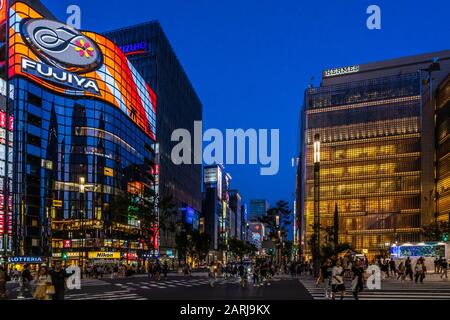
point(250, 60)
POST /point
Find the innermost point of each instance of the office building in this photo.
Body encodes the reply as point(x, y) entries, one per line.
point(258, 209)
point(82, 149)
point(149, 50)
point(443, 150)
point(368, 133)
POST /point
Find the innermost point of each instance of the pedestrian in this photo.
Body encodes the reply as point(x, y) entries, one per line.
point(4, 278)
point(44, 287)
point(326, 273)
point(401, 272)
point(408, 268)
point(444, 266)
point(25, 279)
point(58, 276)
point(437, 263)
point(157, 271)
point(358, 279)
point(419, 271)
point(16, 275)
point(243, 275)
point(212, 274)
point(393, 268)
point(256, 276)
point(337, 281)
point(165, 269)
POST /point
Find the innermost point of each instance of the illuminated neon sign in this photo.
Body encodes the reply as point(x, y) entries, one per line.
point(80, 63)
point(134, 48)
point(340, 71)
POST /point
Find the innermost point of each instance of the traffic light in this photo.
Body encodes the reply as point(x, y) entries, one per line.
point(445, 237)
point(64, 255)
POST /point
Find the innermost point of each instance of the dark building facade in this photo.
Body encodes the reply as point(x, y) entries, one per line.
point(150, 52)
point(83, 143)
point(375, 129)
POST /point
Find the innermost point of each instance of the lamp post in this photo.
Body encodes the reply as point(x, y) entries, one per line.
point(83, 187)
point(433, 67)
point(317, 201)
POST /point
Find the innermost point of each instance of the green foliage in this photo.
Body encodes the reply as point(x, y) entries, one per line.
point(435, 232)
point(241, 248)
point(278, 231)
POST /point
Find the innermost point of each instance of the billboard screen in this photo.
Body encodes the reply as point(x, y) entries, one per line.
point(78, 63)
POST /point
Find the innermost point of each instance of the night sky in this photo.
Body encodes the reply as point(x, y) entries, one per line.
point(250, 60)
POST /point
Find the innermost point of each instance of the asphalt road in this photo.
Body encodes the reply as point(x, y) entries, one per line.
point(177, 287)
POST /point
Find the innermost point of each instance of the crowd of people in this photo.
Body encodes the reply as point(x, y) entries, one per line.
point(50, 283)
point(333, 273)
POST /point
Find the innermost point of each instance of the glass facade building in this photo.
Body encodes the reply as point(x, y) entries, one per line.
point(375, 133)
point(443, 150)
point(149, 50)
point(76, 154)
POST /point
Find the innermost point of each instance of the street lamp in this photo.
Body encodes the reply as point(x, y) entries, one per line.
point(433, 67)
point(317, 200)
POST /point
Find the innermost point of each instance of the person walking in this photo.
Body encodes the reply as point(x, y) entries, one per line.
point(25, 279)
point(243, 275)
point(325, 273)
point(419, 271)
point(408, 268)
point(256, 276)
point(157, 271)
point(58, 276)
point(393, 268)
point(401, 272)
point(444, 267)
point(437, 262)
point(4, 278)
point(212, 274)
point(165, 269)
point(337, 281)
point(358, 279)
point(44, 287)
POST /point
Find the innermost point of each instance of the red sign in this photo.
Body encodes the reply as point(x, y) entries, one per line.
point(67, 244)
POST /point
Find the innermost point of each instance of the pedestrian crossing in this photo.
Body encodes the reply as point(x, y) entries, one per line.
point(177, 283)
point(107, 295)
point(389, 291)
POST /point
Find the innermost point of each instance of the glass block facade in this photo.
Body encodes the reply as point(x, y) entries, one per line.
point(370, 134)
point(76, 155)
point(443, 151)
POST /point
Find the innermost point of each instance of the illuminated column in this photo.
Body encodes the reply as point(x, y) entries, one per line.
point(316, 254)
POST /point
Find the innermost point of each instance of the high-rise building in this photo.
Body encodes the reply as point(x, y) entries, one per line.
point(368, 133)
point(258, 209)
point(150, 52)
point(238, 222)
point(443, 151)
point(79, 133)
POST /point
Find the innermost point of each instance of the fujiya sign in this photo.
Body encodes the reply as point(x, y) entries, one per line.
point(59, 76)
point(65, 51)
point(61, 45)
point(340, 71)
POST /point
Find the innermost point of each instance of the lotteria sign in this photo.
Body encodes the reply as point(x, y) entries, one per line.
point(77, 63)
point(26, 260)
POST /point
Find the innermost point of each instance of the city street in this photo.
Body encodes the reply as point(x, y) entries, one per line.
point(433, 288)
point(178, 287)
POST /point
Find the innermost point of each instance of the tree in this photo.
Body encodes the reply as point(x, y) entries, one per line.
point(201, 244)
point(435, 231)
point(278, 220)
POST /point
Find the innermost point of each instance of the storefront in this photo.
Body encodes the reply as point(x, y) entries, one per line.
point(18, 262)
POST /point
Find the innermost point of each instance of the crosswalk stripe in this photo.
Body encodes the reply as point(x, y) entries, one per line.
point(390, 291)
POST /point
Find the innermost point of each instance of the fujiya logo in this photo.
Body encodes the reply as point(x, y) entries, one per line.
point(58, 76)
point(61, 45)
